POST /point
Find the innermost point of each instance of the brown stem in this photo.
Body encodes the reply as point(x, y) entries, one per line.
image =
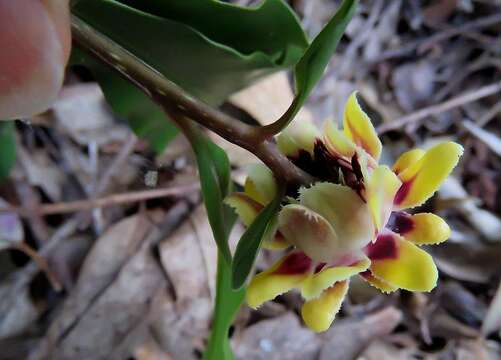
point(41, 262)
point(175, 100)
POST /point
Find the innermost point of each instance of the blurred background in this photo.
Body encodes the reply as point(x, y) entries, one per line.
point(134, 278)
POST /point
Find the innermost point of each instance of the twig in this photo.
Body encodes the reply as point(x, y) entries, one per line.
point(102, 184)
point(174, 99)
point(30, 199)
point(423, 44)
point(482, 61)
point(442, 107)
point(492, 141)
point(489, 115)
point(118, 162)
point(13, 285)
point(462, 29)
point(41, 263)
point(88, 204)
point(369, 25)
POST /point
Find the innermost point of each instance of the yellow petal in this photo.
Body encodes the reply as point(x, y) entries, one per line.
point(318, 314)
point(284, 275)
point(299, 135)
point(426, 229)
point(260, 184)
point(381, 188)
point(365, 164)
point(246, 208)
point(402, 264)
point(406, 159)
point(336, 141)
point(272, 238)
point(358, 128)
point(344, 210)
point(378, 283)
point(315, 284)
point(422, 178)
point(278, 242)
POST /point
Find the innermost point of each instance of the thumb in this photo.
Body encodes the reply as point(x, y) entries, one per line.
point(35, 44)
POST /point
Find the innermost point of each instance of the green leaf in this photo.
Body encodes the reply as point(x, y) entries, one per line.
point(214, 170)
point(7, 148)
point(270, 29)
point(311, 66)
point(250, 243)
point(227, 304)
point(209, 48)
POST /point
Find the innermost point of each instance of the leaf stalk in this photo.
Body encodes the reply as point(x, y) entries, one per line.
point(174, 99)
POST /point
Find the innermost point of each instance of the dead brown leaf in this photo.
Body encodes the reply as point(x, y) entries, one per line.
point(413, 83)
point(268, 99)
point(81, 111)
point(11, 228)
point(189, 258)
point(347, 338)
point(281, 338)
point(41, 171)
point(379, 350)
point(105, 289)
point(21, 314)
point(492, 321)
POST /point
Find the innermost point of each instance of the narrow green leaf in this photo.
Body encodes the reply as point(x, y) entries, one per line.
point(227, 304)
point(214, 170)
point(250, 243)
point(7, 148)
point(222, 166)
point(311, 66)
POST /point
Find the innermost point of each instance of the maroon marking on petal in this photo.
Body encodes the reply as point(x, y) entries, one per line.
point(325, 166)
point(303, 160)
point(365, 274)
point(279, 237)
point(357, 169)
point(385, 247)
point(402, 192)
point(401, 222)
point(319, 267)
point(296, 263)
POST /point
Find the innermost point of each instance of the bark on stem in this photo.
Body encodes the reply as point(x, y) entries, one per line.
point(174, 99)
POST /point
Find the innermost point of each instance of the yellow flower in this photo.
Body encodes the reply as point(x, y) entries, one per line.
point(349, 222)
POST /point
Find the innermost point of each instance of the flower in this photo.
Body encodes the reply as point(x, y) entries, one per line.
point(352, 220)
